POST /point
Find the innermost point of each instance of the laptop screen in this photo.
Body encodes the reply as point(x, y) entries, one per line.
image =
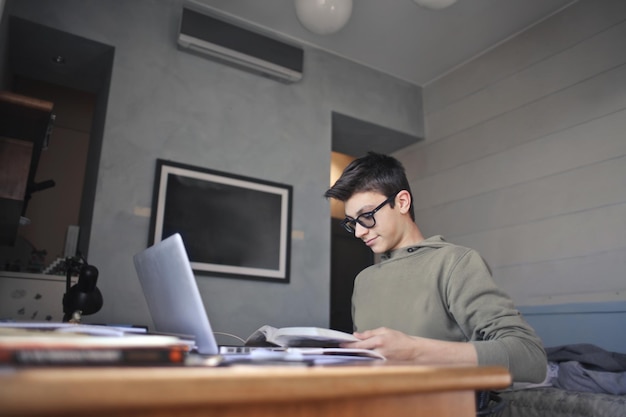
point(172, 294)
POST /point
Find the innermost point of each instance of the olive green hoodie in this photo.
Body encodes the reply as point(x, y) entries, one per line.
point(439, 290)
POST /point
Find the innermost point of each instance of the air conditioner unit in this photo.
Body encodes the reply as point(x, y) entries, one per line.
point(224, 40)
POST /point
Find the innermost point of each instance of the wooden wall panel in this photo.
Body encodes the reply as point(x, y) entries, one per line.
point(525, 158)
point(556, 238)
point(562, 31)
point(600, 53)
point(588, 187)
point(593, 142)
point(583, 278)
point(590, 99)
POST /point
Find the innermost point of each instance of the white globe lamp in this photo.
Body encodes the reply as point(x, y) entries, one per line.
point(323, 17)
point(435, 4)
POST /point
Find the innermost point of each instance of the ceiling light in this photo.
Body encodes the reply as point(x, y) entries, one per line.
point(323, 16)
point(435, 4)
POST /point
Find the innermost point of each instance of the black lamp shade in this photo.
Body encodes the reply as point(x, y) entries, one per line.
point(84, 296)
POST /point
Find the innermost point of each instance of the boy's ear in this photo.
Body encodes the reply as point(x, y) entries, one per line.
point(403, 201)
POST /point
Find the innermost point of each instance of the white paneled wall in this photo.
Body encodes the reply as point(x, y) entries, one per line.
point(525, 158)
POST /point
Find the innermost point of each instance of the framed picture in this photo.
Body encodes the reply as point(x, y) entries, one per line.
point(232, 226)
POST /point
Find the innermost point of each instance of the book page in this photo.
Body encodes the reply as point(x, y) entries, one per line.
point(311, 337)
point(261, 337)
point(342, 352)
point(298, 336)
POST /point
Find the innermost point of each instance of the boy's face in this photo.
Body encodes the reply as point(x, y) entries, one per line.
point(387, 233)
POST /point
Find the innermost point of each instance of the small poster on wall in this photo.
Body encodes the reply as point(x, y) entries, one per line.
point(232, 226)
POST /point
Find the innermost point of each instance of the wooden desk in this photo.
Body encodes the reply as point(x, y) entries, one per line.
point(355, 391)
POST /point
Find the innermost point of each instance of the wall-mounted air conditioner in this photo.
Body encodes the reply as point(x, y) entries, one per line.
point(224, 40)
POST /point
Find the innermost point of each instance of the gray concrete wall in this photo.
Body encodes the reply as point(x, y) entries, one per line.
point(169, 104)
point(525, 158)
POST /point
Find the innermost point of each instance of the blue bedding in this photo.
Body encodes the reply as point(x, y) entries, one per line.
point(583, 380)
point(557, 402)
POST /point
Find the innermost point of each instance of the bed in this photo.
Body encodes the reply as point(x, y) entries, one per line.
point(586, 347)
point(558, 402)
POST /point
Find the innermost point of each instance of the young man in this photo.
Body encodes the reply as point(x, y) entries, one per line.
point(428, 301)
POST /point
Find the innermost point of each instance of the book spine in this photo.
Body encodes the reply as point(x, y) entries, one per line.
point(94, 357)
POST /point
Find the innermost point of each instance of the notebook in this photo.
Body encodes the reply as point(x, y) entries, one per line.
point(172, 294)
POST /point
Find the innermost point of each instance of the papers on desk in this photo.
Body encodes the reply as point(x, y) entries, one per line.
point(315, 344)
point(65, 344)
point(92, 329)
point(287, 357)
point(355, 354)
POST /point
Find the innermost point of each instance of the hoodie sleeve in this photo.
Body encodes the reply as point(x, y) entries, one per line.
point(491, 322)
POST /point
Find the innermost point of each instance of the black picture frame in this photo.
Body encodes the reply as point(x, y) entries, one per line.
point(232, 226)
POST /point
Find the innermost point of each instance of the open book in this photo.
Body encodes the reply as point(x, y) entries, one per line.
point(298, 337)
point(308, 340)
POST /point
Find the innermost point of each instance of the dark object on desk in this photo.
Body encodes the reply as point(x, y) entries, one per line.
point(115, 356)
point(43, 344)
point(84, 298)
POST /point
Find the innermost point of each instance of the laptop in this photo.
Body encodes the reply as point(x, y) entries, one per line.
point(175, 305)
point(172, 294)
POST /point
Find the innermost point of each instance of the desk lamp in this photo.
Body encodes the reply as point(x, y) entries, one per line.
point(83, 298)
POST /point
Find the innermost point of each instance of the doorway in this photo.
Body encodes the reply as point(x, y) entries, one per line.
point(352, 138)
point(74, 73)
point(49, 214)
point(349, 256)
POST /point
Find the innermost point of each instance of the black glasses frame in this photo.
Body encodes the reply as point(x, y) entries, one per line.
point(350, 224)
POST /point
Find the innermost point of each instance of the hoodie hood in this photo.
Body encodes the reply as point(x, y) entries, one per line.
point(433, 242)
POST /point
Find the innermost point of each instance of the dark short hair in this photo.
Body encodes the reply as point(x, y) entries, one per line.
point(373, 172)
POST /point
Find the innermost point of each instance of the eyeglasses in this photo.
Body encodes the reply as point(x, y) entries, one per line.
point(366, 219)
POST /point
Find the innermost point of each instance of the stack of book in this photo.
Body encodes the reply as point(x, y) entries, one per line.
point(63, 344)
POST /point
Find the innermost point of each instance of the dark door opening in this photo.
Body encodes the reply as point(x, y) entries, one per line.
point(42, 62)
point(349, 256)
